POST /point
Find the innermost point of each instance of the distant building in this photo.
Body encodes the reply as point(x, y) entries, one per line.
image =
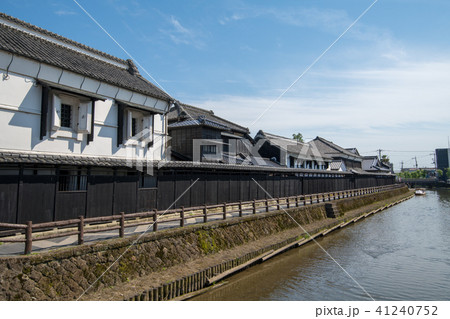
point(289, 152)
point(343, 159)
point(200, 135)
point(443, 160)
point(374, 165)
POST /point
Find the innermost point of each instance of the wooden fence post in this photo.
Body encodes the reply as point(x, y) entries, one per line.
point(254, 206)
point(240, 208)
point(205, 214)
point(81, 230)
point(122, 225)
point(29, 238)
point(267, 205)
point(288, 203)
point(296, 201)
point(182, 217)
point(224, 210)
point(278, 203)
point(155, 220)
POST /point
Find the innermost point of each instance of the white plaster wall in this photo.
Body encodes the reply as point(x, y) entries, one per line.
point(20, 108)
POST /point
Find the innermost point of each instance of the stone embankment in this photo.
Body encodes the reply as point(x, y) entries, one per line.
point(175, 263)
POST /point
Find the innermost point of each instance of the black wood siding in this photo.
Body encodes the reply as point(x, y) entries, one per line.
point(34, 197)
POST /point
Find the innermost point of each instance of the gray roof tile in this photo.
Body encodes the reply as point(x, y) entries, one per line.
point(10, 158)
point(30, 46)
point(189, 112)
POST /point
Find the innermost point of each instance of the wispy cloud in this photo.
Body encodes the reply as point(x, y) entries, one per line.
point(180, 34)
point(131, 8)
point(233, 17)
point(388, 108)
point(327, 19)
point(62, 12)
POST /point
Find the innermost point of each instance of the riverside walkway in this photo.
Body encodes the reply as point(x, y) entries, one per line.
point(170, 220)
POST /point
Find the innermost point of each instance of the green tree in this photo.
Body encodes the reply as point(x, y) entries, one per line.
point(439, 172)
point(298, 137)
point(447, 172)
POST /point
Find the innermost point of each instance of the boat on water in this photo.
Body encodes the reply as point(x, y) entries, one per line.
point(420, 192)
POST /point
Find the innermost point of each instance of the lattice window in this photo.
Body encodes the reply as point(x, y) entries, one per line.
point(66, 115)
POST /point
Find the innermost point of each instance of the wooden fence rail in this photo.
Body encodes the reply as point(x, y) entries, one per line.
point(153, 218)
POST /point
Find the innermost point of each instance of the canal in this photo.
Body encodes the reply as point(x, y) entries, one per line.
point(402, 253)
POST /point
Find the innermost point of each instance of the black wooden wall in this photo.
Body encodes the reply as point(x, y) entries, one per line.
point(36, 197)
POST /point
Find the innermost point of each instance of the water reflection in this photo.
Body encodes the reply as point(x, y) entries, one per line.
point(444, 197)
point(400, 254)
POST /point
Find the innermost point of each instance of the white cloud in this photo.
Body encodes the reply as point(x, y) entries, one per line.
point(65, 12)
point(179, 34)
point(233, 17)
point(324, 19)
point(403, 107)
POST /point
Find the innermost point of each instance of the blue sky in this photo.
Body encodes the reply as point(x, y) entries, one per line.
point(384, 85)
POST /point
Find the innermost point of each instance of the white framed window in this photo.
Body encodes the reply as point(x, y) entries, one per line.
point(139, 125)
point(71, 115)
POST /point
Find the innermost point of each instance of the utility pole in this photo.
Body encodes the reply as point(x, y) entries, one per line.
point(379, 154)
point(415, 158)
point(402, 166)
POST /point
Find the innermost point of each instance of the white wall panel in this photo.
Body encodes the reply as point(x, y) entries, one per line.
point(5, 59)
point(26, 94)
point(71, 79)
point(106, 113)
point(124, 95)
point(138, 98)
point(107, 90)
point(161, 105)
point(49, 73)
point(90, 85)
point(17, 129)
point(151, 102)
point(24, 66)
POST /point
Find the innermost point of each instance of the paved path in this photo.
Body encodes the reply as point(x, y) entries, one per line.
point(8, 249)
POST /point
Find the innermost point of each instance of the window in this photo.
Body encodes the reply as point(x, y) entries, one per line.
point(72, 113)
point(147, 181)
point(70, 181)
point(134, 130)
point(208, 149)
point(66, 115)
point(139, 124)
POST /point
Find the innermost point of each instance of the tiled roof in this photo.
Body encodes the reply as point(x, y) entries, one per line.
point(241, 159)
point(199, 121)
point(292, 146)
point(360, 171)
point(16, 157)
point(329, 148)
point(72, 57)
point(189, 112)
point(353, 150)
point(371, 163)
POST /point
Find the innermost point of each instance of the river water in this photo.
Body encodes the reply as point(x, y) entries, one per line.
point(402, 253)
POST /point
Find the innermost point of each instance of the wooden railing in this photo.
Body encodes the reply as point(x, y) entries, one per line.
point(82, 225)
